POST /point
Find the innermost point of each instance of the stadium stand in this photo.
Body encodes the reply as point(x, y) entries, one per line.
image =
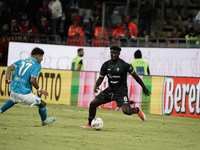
point(163, 21)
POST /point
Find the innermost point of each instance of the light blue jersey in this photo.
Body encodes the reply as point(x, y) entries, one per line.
point(24, 69)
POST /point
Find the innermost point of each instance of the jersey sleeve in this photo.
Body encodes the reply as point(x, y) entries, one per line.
point(35, 71)
point(103, 70)
point(129, 68)
point(16, 63)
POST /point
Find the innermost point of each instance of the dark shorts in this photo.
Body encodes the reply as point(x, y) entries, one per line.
point(107, 95)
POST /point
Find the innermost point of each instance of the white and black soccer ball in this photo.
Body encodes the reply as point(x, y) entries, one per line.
point(97, 124)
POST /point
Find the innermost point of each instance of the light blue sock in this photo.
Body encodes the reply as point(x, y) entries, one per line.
point(7, 105)
point(43, 113)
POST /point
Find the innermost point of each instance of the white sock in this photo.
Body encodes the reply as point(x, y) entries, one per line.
point(0, 111)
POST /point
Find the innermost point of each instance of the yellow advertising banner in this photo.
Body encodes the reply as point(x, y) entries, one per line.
point(4, 88)
point(56, 82)
point(156, 96)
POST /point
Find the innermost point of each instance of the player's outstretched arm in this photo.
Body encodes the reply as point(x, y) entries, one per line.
point(137, 78)
point(35, 84)
point(98, 82)
point(8, 73)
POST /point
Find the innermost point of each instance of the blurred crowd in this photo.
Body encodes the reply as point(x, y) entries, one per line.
point(77, 21)
point(189, 31)
point(80, 18)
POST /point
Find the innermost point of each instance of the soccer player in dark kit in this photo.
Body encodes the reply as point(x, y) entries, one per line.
point(116, 71)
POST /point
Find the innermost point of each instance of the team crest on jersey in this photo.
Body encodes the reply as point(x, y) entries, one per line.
point(117, 69)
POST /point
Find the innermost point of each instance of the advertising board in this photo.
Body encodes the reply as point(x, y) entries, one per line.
point(162, 61)
point(181, 97)
point(56, 82)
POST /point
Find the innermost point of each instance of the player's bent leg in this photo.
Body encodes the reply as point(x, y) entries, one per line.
point(7, 105)
point(42, 110)
point(42, 104)
point(92, 111)
point(43, 114)
point(129, 110)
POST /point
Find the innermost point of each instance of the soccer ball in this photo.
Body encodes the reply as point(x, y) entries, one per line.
point(97, 124)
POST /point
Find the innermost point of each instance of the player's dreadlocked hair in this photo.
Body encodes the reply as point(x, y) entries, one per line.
point(115, 47)
point(37, 51)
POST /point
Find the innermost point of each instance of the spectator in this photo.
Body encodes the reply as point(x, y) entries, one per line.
point(191, 22)
point(175, 32)
point(126, 33)
point(45, 28)
point(70, 20)
point(198, 28)
point(65, 7)
point(99, 37)
point(29, 28)
point(74, 4)
point(85, 8)
point(97, 13)
point(115, 17)
point(45, 12)
point(191, 36)
point(17, 7)
point(198, 42)
point(125, 30)
point(61, 29)
point(178, 5)
point(133, 30)
point(184, 32)
point(76, 35)
point(126, 38)
point(4, 15)
point(124, 26)
point(56, 9)
point(15, 27)
point(145, 14)
point(198, 17)
point(140, 65)
point(75, 29)
point(88, 31)
point(4, 30)
point(120, 8)
point(119, 30)
point(32, 8)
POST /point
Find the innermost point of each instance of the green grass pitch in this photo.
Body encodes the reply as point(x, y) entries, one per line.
point(20, 129)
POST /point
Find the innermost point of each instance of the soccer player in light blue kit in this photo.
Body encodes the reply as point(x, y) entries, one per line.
point(25, 74)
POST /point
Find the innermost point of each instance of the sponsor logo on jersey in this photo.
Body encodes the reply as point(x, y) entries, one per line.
point(113, 77)
point(114, 82)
